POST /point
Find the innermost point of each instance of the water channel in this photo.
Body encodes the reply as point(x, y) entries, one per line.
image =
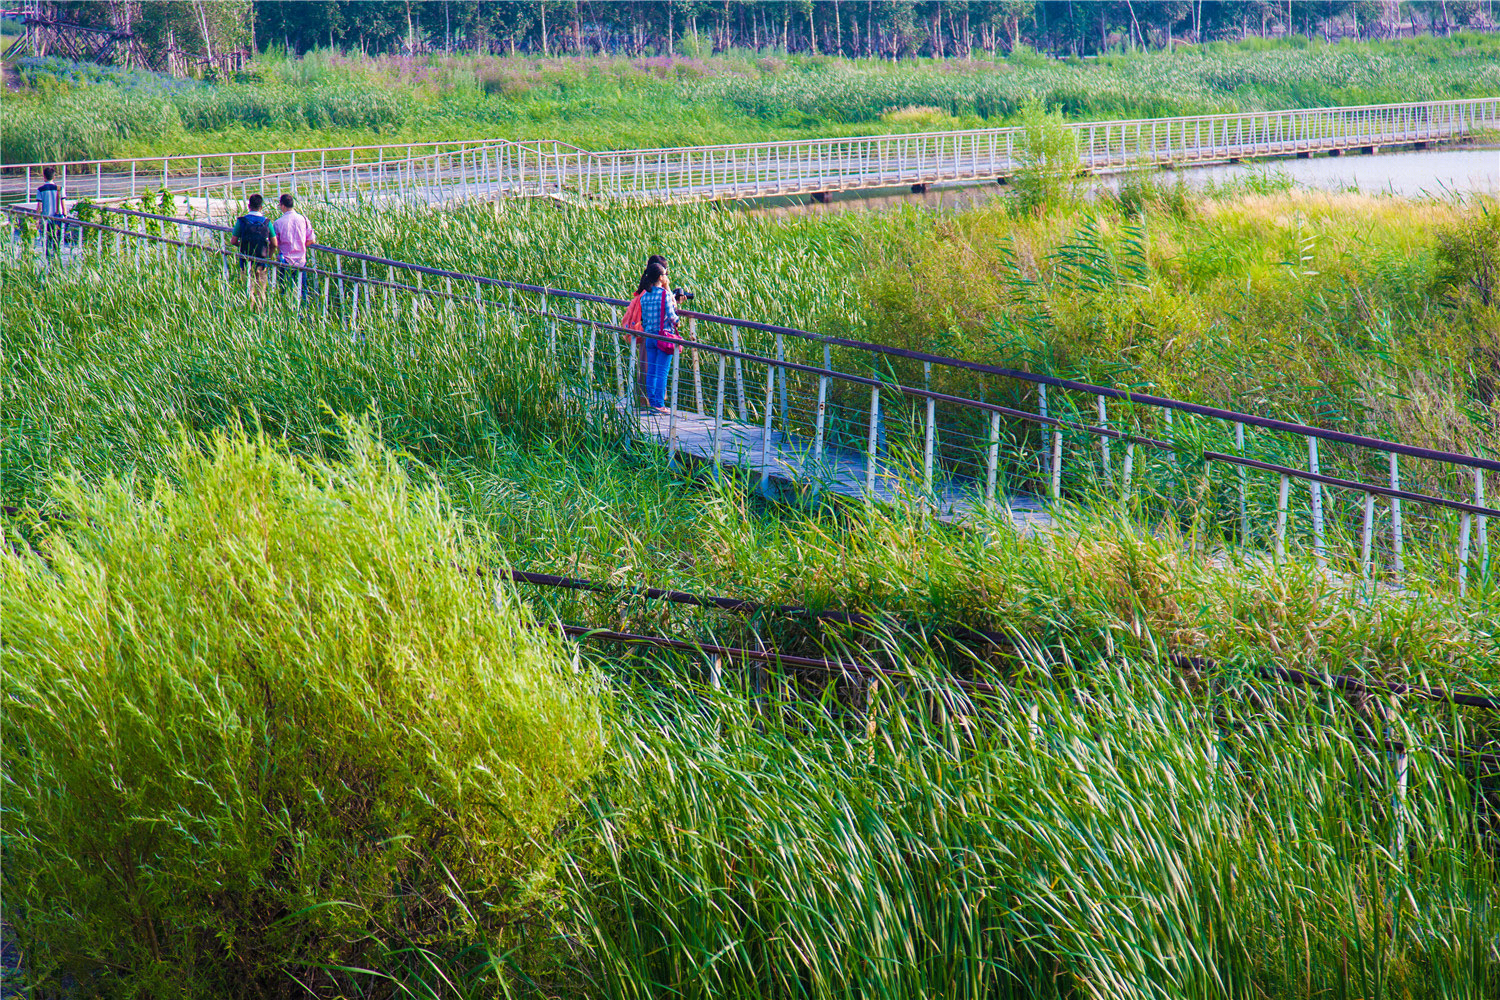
point(1411, 173)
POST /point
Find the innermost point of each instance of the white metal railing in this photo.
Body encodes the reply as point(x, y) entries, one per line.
point(437, 172)
point(887, 424)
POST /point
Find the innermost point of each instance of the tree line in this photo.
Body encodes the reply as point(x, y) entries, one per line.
point(889, 29)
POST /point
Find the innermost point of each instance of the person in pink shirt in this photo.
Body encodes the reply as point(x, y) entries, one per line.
point(293, 234)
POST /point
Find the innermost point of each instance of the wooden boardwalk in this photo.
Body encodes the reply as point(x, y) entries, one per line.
point(488, 169)
point(843, 471)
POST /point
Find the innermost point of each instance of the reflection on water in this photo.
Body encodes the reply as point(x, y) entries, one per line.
point(1411, 173)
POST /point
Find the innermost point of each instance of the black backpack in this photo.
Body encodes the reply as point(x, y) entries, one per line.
point(255, 236)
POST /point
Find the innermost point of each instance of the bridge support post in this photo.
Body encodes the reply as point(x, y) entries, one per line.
point(1303, 156)
point(1335, 152)
point(1369, 150)
point(1419, 145)
point(919, 189)
point(821, 197)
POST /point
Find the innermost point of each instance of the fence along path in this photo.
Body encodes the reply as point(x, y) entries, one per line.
point(490, 168)
point(885, 424)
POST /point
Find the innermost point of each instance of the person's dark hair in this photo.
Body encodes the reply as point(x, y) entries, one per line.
point(256, 201)
point(656, 258)
point(286, 201)
point(47, 173)
point(652, 277)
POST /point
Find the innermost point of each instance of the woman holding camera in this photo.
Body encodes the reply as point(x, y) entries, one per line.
point(658, 326)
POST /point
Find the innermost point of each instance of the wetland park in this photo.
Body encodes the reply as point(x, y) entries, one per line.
point(1060, 565)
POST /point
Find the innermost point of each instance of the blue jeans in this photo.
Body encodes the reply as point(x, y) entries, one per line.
point(658, 367)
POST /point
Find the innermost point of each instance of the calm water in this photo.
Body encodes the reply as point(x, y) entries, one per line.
point(1410, 173)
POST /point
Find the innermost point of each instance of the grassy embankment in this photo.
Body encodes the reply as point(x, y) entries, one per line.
point(327, 99)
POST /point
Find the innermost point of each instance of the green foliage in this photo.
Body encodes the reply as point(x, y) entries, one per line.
point(1468, 255)
point(1059, 840)
point(261, 723)
point(1046, 177)
point(163, 352)
point(609, 102)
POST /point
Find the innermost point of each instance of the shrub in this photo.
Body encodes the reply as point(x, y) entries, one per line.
point(260, 730)
point(1048, 166)
point(1468, 255)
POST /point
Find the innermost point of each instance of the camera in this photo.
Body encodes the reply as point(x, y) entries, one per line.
point(682, 294)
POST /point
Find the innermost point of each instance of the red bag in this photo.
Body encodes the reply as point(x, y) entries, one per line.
point(668, 344)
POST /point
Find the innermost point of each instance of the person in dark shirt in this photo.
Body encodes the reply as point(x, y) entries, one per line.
point(257, 242)
point(49, 205)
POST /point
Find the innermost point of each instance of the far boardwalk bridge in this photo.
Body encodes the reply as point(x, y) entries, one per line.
point(965, 441)
point(491, 169)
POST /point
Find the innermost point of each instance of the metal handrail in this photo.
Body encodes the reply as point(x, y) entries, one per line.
point(504, 168)
point(767, 144)
point(826, 376)
point(1124, 395)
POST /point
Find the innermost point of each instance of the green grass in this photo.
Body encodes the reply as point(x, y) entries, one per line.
point(1161, 290)
point(262, 728)
point(788, 834)
point(327, 99)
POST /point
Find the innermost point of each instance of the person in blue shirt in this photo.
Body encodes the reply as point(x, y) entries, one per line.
point(658, 329)
point(49, 205)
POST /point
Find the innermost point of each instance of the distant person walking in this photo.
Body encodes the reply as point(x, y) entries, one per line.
point(658, 327)
point(50, 207)
point(293, 234)
point(257, 242)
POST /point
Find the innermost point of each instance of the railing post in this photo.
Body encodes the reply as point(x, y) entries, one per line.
point(1046, 456)
point(1395, 517)
point(767, 458)
point(1484, 538)
point(781, 379)
point(589, 372)
point(1103, 439)
point(697, 375)
point(1055, 489)
point(551, 322)
point(992, 463)
point(1465, 523)
point(739, 372)
point(719, 416)
point(872, 455)
point(622, 400)
point(1281, 498)
point(1316, 492)
point(930, 438)
point(1365, 536)
point(672, 419)
point(1239, 450)
point(821, 414)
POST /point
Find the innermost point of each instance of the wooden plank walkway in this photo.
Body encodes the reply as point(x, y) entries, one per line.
point(844, 471)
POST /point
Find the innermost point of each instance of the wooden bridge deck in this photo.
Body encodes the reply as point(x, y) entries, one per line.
point(843, 471)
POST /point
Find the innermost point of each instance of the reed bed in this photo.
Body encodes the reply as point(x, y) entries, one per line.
point(328, 98)
point(1105, 825)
